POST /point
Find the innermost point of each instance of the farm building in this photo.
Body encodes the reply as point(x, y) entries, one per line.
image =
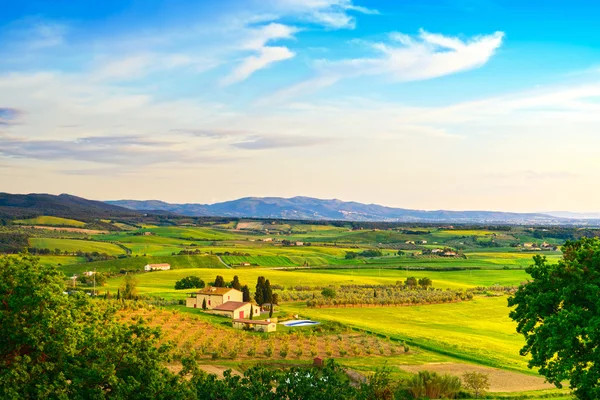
point(449, 253)
point(214, 297)
point(244, 264)
point(89, 273)
point(299, 243)
point(157, 267)
point(236, 309)
point(435, 251)
point(258, 325)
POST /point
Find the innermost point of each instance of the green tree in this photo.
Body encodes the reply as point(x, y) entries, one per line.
point(328, 293)
point(204, 304)
point(251, 312)
point(70, 346)
point(189, 282)
point(478, 382)
point(268, 292)
point(411, 282)
point(236, 283)
point(219, 281)
point(129, 288)
point(425, 282)
point(259, 295)
point(558, 313)
point(245, 293)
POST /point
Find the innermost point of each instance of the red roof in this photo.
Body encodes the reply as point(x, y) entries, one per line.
point(159, 265)
point(231, 306)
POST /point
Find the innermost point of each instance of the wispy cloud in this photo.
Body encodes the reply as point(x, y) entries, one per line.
point(262, 55)
point(405, 58)
point(9, 116)
point(333, 14)
point(280, 142)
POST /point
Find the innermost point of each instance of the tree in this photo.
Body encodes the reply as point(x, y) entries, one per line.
point(204, 304)
point(476, 381)
point(219, 281)
point(259, 295)
point(129, 288)
point(425, 282)
point(328, 293)
point(275, 298)
point(401, 253)
point(245, 293)
point(271, 310)
point(558, 313)
point(251, 312)
point(236, 283)
point(118, 294)
point(189, 282)
point(411, 282)
point(351, 255)
point(69, 346)
point(268, 292)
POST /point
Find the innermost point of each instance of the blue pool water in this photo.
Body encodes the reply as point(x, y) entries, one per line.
point(302, 322)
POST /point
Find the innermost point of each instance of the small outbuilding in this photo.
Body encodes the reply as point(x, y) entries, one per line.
point(157, 267)
point(256, 325)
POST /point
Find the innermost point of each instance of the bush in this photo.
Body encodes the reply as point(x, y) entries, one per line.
point(190, 282)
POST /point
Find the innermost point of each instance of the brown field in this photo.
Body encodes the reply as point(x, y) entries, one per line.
point(500, 380)
point(63, 229)
point(208, 341)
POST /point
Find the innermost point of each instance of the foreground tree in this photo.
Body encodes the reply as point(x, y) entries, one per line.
point(56, 345)
point(478, 382)
point(129, 288)
point(558, 312)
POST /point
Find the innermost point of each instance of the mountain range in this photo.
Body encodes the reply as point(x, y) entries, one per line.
point(308, 208)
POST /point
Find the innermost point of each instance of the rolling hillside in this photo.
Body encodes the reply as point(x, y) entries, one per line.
point(308, 208)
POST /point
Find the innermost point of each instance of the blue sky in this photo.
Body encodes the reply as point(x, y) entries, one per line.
point(458, 104)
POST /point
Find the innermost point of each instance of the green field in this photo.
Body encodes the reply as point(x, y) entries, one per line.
point(477, 331)
point(178, 263)
point(74, 245)
point(51, 221)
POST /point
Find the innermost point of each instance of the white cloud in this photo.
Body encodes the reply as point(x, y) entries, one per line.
point(328, 13)
point(405, 58)
point(263, 55)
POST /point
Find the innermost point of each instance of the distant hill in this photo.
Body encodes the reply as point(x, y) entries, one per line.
point(64, 205)
point(308, 208)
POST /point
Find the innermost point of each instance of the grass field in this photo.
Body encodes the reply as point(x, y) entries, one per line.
point(178, 263)
point(74, 245)
point(51, 221)
point(477, 331)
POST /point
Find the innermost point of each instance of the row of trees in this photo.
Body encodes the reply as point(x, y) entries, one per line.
point(350, 255)
point(390, 295)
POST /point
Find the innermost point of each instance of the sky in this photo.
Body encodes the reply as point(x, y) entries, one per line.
point(430, 104)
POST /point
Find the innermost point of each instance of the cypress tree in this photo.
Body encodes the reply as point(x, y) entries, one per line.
point(268, 292)
point(236, 283)
point(219, 281)
point(204, 303)
point(259, 296)
point(118, 294)
point(245, 293)
point(251, 312)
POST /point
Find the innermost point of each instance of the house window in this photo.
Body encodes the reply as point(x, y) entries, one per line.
point(228, 297)
point(209, 302)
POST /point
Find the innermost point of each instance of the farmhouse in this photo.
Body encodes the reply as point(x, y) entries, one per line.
point(449, 253)
point(435, 251)
point(89, 273)
point(157, 267)
point(267, 239)
point(213, 296)
point(258, 325)
point(236, 309)
point(299, 243)
point(244, 264)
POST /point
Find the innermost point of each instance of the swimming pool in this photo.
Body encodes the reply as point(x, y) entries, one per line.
point(301, 322)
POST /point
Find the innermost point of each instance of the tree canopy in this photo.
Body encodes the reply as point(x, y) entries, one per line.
point(56, 345)
point(558, 312)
